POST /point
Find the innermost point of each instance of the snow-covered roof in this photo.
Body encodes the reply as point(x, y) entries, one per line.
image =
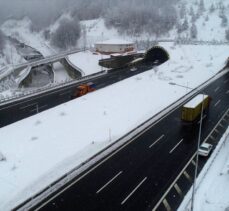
point(195, 101)
point(115, 42)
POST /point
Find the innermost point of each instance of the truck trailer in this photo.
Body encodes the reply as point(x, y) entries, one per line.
point(192, 109)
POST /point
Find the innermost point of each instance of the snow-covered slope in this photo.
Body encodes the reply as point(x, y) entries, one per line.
point(20, 29)
point(208, 22)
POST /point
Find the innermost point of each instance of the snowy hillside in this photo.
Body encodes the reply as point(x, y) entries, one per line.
point(208, 18)
point(21, 30)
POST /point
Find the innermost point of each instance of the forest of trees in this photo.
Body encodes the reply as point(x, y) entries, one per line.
point(132, 17)
point(2, 41)
point(67, 34)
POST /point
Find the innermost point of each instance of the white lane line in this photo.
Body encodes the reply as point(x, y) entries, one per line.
point(133, 191)
point(162, 136)
point(65, 93)
point(227, 91)
point(176, 146)
point(216, 89)
point(111, 180)
point(202, 118)
point(23, 107)
point(217, 103)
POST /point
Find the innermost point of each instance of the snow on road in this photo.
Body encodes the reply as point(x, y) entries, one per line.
point(43, 147)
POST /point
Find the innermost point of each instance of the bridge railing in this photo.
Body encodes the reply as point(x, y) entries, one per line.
point(49, 87)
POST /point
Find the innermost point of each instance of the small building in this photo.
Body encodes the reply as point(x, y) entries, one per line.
point(114, 46)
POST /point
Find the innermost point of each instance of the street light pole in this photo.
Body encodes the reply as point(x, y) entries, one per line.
point(197, 156)
point(198, 145)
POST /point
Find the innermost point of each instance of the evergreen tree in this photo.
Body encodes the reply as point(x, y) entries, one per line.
point(212, 8)
point(182, 11)
point(185, 25)
point(201, 5)
point(193, 32)
point(67, 34)
point(224, 20)
point(227, 34)
point(2, 41)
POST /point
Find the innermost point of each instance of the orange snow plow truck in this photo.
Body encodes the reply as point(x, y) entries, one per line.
point(83, 89)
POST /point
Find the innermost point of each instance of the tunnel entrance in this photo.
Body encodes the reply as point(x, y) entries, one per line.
point(157, 55)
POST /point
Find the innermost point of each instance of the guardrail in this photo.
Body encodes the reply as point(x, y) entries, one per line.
point(46, 60)
point(112, 147)
point(193, 42)
point(189, 162)
point(50, 87)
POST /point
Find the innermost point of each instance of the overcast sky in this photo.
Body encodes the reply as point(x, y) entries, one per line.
point(35, 9)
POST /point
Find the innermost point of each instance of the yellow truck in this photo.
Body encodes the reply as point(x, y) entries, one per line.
point(192, 109)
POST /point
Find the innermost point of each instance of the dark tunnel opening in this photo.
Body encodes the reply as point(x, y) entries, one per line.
point(156, 54)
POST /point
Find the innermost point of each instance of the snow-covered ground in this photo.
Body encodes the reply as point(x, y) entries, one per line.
point(87, 61)
point(20, 29)
point(51, 143)
point(212, 184)
point(60, 74)
point(208, 23)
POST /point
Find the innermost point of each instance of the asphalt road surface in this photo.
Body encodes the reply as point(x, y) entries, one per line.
point(21, 109)
point(135, 176)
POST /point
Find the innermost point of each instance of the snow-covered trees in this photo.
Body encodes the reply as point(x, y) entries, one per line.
point(224, 20)
point(182, 27)
point(2, 157)
point(151, 16)
point(2, 41)
point(67, 34)
point(227, 34)
point(212, 8)
point(193, 31)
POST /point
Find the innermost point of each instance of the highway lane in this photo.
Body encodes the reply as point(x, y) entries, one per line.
point(18, 110)
point(136, 176)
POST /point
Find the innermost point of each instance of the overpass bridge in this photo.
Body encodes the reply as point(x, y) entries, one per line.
point(47, 60)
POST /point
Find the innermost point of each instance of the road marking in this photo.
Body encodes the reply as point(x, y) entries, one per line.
point(182, 171)
point(217, 103)
point(212, 137)
point(111, 180)
point(179, 191)
point(224, 120)
point(167, 206)
point(65, 93)
point(38, 108)
point(162, 136)
point(193, 163)
point(216, 89)
point(202, 118)
point(176, 146)
point(217, 131)
point(133, 191)
point(187, 176)
point(222, 126)
point(28, 106)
